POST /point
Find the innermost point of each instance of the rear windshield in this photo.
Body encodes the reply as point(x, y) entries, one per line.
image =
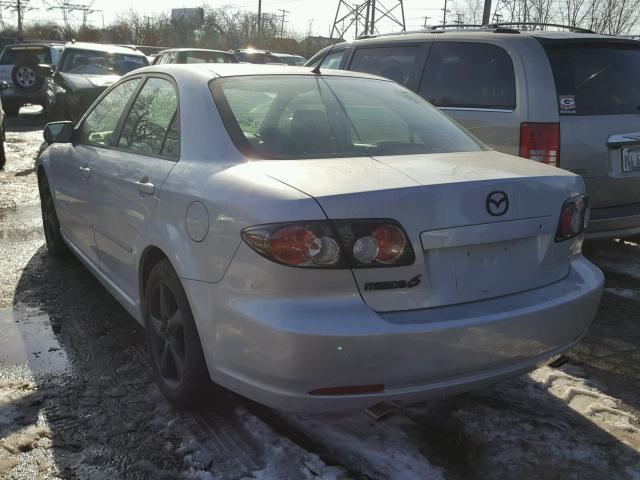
point(596, 79)
point(322, 116)
point(28, 55)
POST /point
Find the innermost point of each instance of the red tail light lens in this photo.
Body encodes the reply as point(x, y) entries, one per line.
point(338, 244)
point(540, 142)
point(574, 218)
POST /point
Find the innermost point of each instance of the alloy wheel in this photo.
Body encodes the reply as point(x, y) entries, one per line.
point(168, 343)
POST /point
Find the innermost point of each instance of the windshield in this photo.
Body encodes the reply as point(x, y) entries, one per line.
point(90, 62)
point(596, 79)
point(297, 116)
point(292, 60)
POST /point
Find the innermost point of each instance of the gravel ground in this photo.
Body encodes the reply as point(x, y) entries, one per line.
point(77, 401)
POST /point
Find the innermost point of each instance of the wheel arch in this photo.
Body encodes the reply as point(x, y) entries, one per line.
point(149, 258)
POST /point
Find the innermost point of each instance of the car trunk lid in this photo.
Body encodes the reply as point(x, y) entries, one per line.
point(463, 252)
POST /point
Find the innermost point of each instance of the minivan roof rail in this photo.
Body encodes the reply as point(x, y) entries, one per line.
point(497, 27)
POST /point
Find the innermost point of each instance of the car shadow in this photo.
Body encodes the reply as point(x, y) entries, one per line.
point(105, 415)
point(100, 414)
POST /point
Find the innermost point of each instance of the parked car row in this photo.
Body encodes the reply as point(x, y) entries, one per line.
point(66, 79)
point(567, 99)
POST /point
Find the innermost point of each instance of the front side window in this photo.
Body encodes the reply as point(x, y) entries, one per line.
point(296, 116)
point(90, 62)
point(469, 75)
point(333, 60)
point(150, 119)
point(394, 63)
point(100, 125)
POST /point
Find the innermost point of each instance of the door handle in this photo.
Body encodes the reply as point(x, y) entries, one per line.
point(145, 186)
point(85, 171)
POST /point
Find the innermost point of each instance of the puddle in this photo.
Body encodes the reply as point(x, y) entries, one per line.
point(26, 338)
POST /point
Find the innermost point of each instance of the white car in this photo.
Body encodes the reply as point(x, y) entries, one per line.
point(316, 241)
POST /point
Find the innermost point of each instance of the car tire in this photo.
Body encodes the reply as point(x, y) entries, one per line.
point(172, 338)
point(26, 78)
point(50, 223)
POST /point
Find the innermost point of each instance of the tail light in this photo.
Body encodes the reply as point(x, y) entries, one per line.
point(574, 218)
point(332, 244)
point(540, 142)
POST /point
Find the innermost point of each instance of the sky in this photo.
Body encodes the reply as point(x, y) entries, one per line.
point(300, 12)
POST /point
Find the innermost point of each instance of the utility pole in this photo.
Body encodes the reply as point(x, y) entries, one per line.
point(284, 13)
point(444, 13)
point(18, 6)
point(259, 19)
point(425, 21)
point(19, 9)
point(486, 13)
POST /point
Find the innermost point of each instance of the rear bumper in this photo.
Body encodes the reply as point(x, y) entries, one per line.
point(614, 222)
point(275, 351)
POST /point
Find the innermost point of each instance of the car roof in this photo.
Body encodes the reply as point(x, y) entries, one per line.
point(101, 47)
point(192, 50)
point(221, 70)
point(278, 54)
point(34, 44)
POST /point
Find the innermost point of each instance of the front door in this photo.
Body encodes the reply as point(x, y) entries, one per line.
point(74, 182)
point(128, 178)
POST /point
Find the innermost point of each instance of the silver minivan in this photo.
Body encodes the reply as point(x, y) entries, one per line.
point(570, 99)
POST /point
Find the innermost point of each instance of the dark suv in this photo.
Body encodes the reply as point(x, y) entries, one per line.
point(566, 98)
point(83, 72)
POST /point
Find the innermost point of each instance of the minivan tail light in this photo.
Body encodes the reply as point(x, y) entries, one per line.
point(540, 142)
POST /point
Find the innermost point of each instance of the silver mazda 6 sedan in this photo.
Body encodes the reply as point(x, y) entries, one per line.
point(316, 241)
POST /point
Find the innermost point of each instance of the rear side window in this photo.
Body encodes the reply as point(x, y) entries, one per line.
point(596, 79)
point(151, 120)
point(391, 62)
point(469, 75)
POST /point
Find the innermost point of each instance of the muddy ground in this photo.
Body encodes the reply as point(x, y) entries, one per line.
point(77, 400)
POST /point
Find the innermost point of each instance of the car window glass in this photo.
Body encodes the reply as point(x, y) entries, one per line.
point(14, 56)
point(596, 79)
point(471, 75)
point(149, 118)
point(250, 108)
point(391, 62)
point(333, 60)
point(171, 147)
point(100, 124)
point(323, 117)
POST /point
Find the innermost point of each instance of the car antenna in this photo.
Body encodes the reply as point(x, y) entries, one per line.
point(316, 70)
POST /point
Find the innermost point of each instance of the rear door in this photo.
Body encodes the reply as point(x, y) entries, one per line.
point(474, 83)
point(598, 91)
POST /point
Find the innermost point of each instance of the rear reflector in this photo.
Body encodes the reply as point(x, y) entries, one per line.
point(540, 142)
point(358, 389)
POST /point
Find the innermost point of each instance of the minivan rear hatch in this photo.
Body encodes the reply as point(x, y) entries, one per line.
point(598, 93)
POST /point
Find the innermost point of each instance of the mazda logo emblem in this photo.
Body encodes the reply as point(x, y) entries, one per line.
point(497, 203)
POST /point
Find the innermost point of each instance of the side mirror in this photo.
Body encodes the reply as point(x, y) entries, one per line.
point(58, 132)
